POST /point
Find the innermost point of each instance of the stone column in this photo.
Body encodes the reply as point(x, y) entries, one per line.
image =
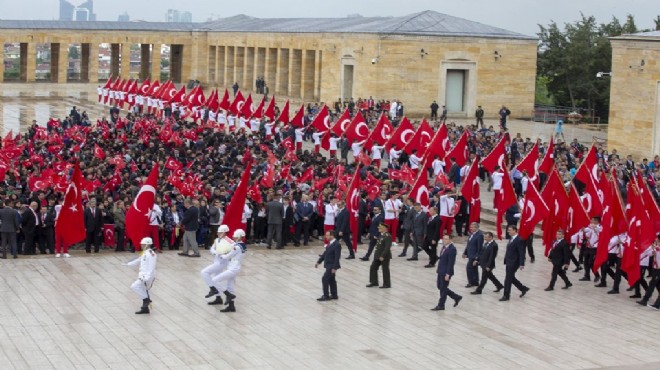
point(125, 61)
point(155, 62)
point(317, 74)
point(55, 57)
point(270, 73)
point(307, 77)
point(230, 59)
point(176, 59)
point(114, 60)
point(248, 70)
point(221, 62)
point(213, 61)
point(93, 63)
point(283, 68)
point(28, 61)
point(239, 67)
point(145, 61)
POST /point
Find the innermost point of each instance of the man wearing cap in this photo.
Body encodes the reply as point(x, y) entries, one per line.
point(147, 274)
point(382, 257)
point(226, 280)
point(219, 264)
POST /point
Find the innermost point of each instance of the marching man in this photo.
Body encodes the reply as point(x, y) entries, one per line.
point(226, 280)
point(147, 274)
point(221, 245)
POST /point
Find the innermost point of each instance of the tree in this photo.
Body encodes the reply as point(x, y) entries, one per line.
point(73, 52)
point(657, 23)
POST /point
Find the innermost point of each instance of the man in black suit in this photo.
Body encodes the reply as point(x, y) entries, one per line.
point(304, 212)
point(330, 259)
point(454, 174)
point(29, 225)
point(382, 257)
point(47, 230)
point(275, 211)
point(514, 259)
point(363, 212)
point(374, 234)
point(8, 228)
point(343, 228)
point(432, 237)
point(446, 262)
point(287, 221)
point(419, 225)
point(560, 256)
point(93, 225)
point(407, 227)
point(486, 260)
point(472, 251)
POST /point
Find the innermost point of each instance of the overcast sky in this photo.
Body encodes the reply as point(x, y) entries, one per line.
point(521, 16)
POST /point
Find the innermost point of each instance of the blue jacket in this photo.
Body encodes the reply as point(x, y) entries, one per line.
point(446, 261)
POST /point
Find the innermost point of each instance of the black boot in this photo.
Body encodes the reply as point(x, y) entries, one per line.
point(230, 297)
point(212, 291)
point(218, 300)
point(145, 307)
point(230, 307)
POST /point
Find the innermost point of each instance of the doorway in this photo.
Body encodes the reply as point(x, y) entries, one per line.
point(347, 82)
point(455, 98)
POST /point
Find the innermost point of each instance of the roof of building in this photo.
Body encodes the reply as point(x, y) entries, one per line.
point(426, 23)
point(651, 35)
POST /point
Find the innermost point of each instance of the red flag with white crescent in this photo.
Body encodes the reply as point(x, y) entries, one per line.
point(402, 135)
point(496, 157)
point(137, 217)
point(234, 210)
point(109, 235)
point(322, 120)
point(70, 224)
point(534, 211)
point(358, 130)
point(270, 111)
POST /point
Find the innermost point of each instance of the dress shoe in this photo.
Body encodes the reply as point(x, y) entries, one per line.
point(334, 297)
point(613, 291)
point(402, 255)
point(182, 254)
point(476, 292)
point(549, 289)
point(323, 298)
point(212, 291)
point(532, 259)
point(279, 247)
point(365, 258)
point(642, 303)
point(194, 255)
point(229, 308)
point(524, 292)
point(567, 286)
point(601, 285)
point(469, 286)
point(438, 308)
point(497, 290)
point(503, 299)
point(269, 247)
point(428, 266)
point(585, 279)
point(350, 257)
point(386, 287)
point(653, 306)
point(635, 296)
point(411, 259)
point(218, 300)
point(371, 285)
point(578, 269)
point(457, 300)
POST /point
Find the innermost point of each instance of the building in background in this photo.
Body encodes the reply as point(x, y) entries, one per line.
point(124, 17)
point(178, 16)
point(71, 12)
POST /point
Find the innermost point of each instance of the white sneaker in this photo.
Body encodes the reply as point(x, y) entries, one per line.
point(66, 255)
point(57, 255)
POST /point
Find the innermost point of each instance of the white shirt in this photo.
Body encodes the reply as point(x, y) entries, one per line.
point(356, 148)
point(269, 128)
point(147, 263)
point(394, 154)
point(497, 180)
point(377, 152)
point(155, 213)
point(231, 119)
point(392, 208)
point(524, 182)
point(333, 143)
point(446, 206)
point(247, 213)
point(330, 213)
point(254, 125)
point(438, 166)
point(414, 161)
point(317, 137)
point(299, 135)
point(592, 236)
point(242, 122)
point(222, 118)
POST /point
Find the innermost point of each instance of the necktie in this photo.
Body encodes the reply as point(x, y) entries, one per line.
point(93, 212)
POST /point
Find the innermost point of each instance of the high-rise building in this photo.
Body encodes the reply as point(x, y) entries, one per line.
point(178, 16)
point(81, 12)
point(124, 17)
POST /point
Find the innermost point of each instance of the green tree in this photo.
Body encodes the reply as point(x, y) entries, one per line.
point(657, 23)
point(73, 52)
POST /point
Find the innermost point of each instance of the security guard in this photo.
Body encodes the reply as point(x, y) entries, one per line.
point(382, 257)
point(147, 274)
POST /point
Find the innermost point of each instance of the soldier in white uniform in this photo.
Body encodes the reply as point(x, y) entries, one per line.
point(147, 274)
point(226, 281)
point(221, 244)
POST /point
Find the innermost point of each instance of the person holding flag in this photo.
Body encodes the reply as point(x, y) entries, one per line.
point(147, 261)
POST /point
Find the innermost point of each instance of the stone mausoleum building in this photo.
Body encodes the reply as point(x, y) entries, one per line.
point(415, 58)
point(634, 122)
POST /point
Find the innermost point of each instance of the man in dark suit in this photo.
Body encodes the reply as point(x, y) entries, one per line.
point(363, 212)
point(288, 221)
point(446, 262)
point(514, 259)
point(275, 211)
point(472, 251)
point(46, 231)
point(374, 234)
point(93, 225)
point(330, 259)
point(486, 260)
point(419, 225)
point(382, 257)
point(190, 223)
point(8, 228)
point(29, 225)
point(560, 256)
point(343, 228)
point(454, 174)
point(432, 237)
point(304, 212)
point(407, 227)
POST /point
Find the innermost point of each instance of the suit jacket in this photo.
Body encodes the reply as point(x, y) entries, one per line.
point(420, 223)
point(275, 211)
point(331, 255)
point(515, 252)
point(446, 261)
point(363, 210)
point(49, 220)
point(454, 173)
point(190, 221)
point(342, 222)
point(509, 214)
point(373, 228)
point(560, 254)
point(8, 220)
point(408, 219)
point(304, 210)
point(93, 222)
point(28, 221)
point(474, 245)
point(288, 216)
point(384, 247)
point(433, 229)
point(488, 254)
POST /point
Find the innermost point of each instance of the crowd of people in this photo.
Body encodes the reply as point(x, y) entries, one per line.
point(117, 152)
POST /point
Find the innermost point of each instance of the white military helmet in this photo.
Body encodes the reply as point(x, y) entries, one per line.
point(223, 229)
point(239, 233)
point(146, 240)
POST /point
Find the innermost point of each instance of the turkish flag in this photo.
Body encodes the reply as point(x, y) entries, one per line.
point(288, 143)
point(421, 140)
point(224, 104)
point(587, 174)
point(530, 164)
point(373, 186)
point(508, 199)
point(342, 123)
point(70, 224)
point(322, 120)
point(284, 113)
point(607, 221)
point(173, 164)
point(357, 130)
point(319, 184)
point(402, 135)
point(381, 133)
point(576, 217)
point(247, 107)
point(420, 191)
point(137, 216)
point(234, 210)
point(179, 97)
point(109, 235)
point(307, 175)
point(640, 234)
point(649, 202)
point(470, 186)
point(270, 111)
point(299, 119)
point(497, 157)
point(98, 152)
point(255, 193)
point(439, 144)
point(459, 152)
point(353, 206)
point(534, 211)
point(557, 201)
point(258, 113)
point(38, 183)
point(268, 180)
point(237, 105)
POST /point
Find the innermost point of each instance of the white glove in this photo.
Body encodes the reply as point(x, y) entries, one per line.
point(517, 215)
